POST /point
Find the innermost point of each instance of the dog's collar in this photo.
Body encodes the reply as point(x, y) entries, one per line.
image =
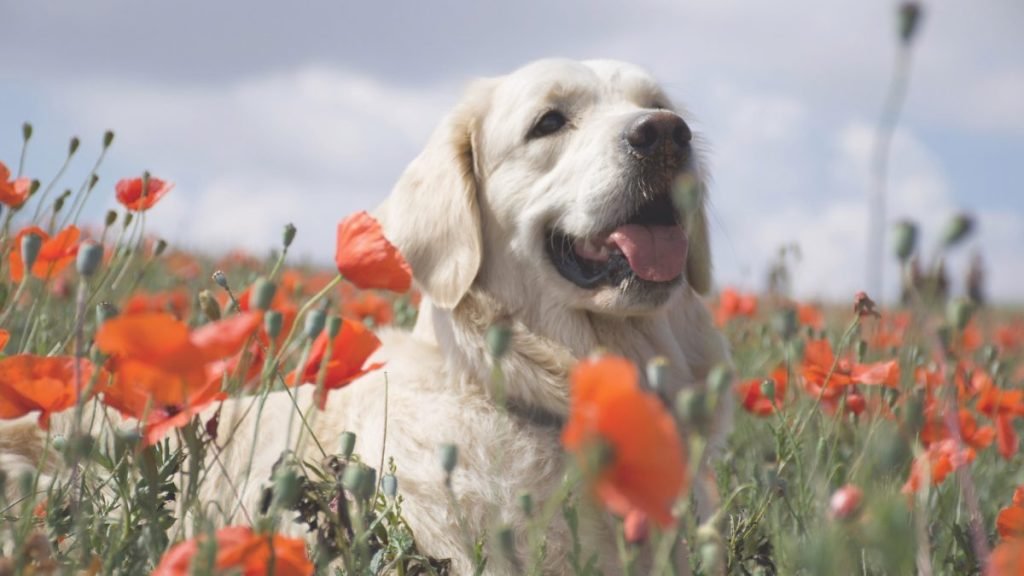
point(535, 415)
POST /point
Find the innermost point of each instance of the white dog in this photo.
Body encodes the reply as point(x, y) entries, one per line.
point(543, 201)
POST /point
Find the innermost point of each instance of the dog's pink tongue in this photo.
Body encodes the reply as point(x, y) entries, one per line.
point(655, 253)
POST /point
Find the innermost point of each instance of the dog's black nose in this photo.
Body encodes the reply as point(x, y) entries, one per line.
point(660, 132)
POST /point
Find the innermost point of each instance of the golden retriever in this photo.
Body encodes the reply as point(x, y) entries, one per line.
point(543, 201)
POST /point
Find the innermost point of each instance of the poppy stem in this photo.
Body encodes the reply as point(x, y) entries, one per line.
point(302, 310)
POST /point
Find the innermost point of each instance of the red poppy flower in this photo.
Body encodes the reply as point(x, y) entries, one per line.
point(975, 436)
point(369, 305)
point(40, 384)
point(810, 315)
point(5, 336)
point(54, 256)
point(349, 351)
point(13, 193)
point(1010, 521)
point(163, 373)
point(941, 458)
point(845, 502)
point(608, 408)
point(733, 304)
point(1007, 558)
point(242, 551)
point(817, 368)
point(753, 398)
point(366, 258)
point(176, 302)
point(289, 312)
point(131, 195)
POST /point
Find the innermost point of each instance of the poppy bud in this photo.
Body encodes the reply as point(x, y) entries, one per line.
point(78, 448)
point(449, 454)
point(209, 305)
point(26, 483)
point(334, 324)
point(30, 245)
point(768, 389)
point(958, 228)
point(105, 311)
point(692, 408)
point(108, 138)
point(110, 219)
point(289, 235)
point(864, 306)
point(3, 299)
point(354, 479)
point(218, 276)
point(507, 544)
point(262, 294)
point(73, 147)
point(272, 323)
point(128, 217)
point(860, 350)
point(90, 255)
point(657, 373)
point(904, 239)
point(346, 444)
point(287, 488)
point(720, 379)
point(959, 312)
point(389, 485)
point(58, 204)
point(711, 549)
point(498, 337)
point(26, 131)
point(525, 501)
point(93, 180)
point(315, 320)
point(126, 441)
point(161, 246)
point(910, 17)
point(786, 322)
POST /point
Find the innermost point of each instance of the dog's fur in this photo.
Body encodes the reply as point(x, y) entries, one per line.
point(470, 214)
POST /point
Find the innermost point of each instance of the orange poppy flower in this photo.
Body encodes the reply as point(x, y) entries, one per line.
point(810, 315)
point(753, 397)
point(647, 470)
point(5, 336)
point(46, 385)
point(818, 362)
point(351, 348)
point(367, 259)
point(131, 195)
point(164, 373)
point(176, 302)
point(733, 304)
point(935, 430)
point(13, 193)
point(1007, 558)
point(369, 305)
point(241, 551)
point(54, 256)
point(941, 458)
point(1006, 436)
point(1010, 521)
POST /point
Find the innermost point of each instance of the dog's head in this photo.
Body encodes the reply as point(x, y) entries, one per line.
point(562, 178)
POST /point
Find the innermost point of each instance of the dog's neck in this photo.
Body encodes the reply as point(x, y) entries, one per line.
point(544, 346)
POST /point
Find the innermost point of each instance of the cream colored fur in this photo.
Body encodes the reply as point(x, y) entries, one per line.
point(470, 215)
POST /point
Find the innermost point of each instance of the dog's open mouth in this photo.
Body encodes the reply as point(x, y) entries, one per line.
point(650, 245)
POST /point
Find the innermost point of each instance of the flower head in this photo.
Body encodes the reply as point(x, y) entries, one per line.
point(131, 195)
point(348, 353)
point(55, 254)
point(13, 193)
point(242, 551)
point(367, 259)
point(46, 385)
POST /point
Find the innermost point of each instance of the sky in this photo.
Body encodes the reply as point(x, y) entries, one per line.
point(265, 113)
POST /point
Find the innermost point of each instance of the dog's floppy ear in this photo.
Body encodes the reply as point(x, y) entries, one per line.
point(691, 196)
point(432, 215)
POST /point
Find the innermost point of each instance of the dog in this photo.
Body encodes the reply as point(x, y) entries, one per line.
point(542, 203)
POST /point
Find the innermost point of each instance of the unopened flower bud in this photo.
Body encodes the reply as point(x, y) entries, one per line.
point(720, 379)
point(958, 228)
point(289, 235)
point(287, 488)
point(449, 455)
point(93, 180)
point(161, 246)
point(864, 306)
point(272, 323)
point(90, 256)
point(110, 219)
point(218, 276)
point(30, 245)
point(354, 479)
point(334, 324)
point(346, 444)
point(861, 350)
point(26, 131)
point(209, 305)
point(959, 312)
point(657, 373)
point(910, 17)
point(711, 548)
point(692, 408)
point(904, 239)
point(768, 389)
point(127, 221)
point(785, 322)
point(315, 320)
point(525, 501)
point(507, 544)
point(262, 294)
point(105, 311)
point(73, 147)
point(845, 503)
point(33, 188)
point(108, 138)
point(498, 337)
point(389, 485)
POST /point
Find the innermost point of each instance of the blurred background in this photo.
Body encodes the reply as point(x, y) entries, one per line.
point(265, 113)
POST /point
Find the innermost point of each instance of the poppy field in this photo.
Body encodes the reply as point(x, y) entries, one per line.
point(866, 440)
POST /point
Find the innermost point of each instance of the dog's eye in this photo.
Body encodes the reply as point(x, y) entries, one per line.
point(549, 123)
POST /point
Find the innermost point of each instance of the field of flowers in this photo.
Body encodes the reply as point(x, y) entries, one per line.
point(867, 441)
